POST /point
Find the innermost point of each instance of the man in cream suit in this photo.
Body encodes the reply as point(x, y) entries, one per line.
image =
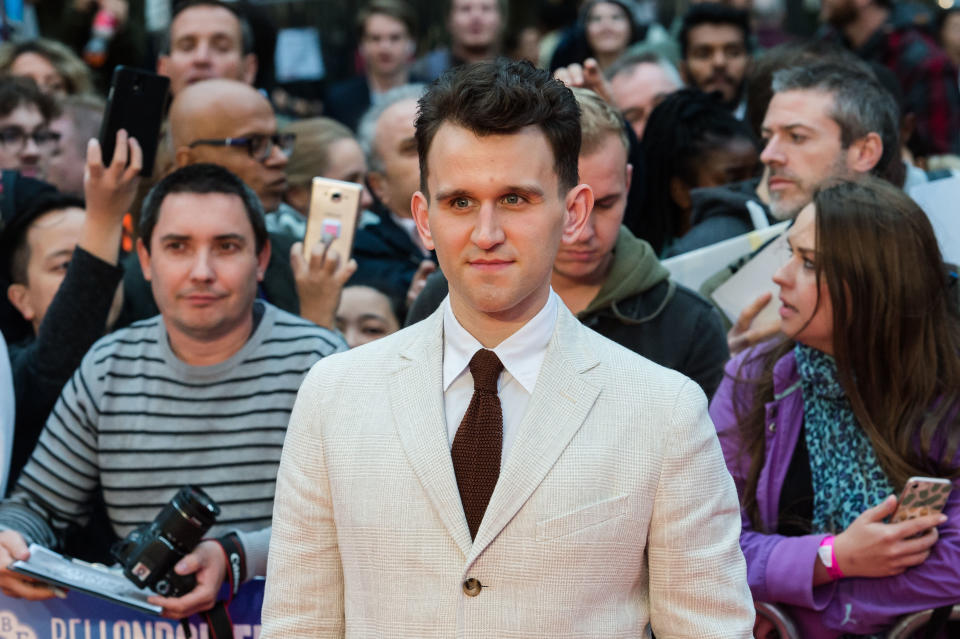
point(608, 505)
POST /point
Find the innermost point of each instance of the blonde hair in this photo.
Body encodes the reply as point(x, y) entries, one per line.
point(311, 155)
point(75, 74)
point(598, 120)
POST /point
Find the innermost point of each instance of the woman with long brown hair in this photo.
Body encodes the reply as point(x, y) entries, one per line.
point(821, 430)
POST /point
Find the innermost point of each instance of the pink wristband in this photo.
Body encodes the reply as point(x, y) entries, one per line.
point(833, 569)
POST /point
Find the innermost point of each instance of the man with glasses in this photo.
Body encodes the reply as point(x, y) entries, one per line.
point(26, 141)
point(228, 123)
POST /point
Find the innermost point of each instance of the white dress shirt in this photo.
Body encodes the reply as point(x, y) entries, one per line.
point(522, 356)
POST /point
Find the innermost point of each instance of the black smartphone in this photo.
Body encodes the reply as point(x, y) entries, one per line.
point(136, 102)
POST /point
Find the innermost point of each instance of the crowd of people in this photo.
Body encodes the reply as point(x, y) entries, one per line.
point(524, 190)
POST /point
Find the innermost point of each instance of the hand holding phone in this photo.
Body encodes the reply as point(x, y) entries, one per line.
point(921, 496)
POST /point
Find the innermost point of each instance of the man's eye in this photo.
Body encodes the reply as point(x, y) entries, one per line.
point(229, 247)
point(796, 138)
point(512, 198)
point(61, 267)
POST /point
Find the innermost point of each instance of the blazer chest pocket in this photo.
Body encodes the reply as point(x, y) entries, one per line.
point(580, 519)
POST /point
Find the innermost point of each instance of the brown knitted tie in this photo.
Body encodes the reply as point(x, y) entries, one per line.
point(479, 440)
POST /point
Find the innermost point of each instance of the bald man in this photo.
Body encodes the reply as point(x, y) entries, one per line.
point(231, 124)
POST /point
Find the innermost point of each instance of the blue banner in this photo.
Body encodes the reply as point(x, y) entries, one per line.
point(81, 616)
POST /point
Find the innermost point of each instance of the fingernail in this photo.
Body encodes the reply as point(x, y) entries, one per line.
point(180, 566)
point(60, 593)
point(942, 518)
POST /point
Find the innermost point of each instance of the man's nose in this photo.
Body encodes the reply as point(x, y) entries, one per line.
point(487, 232)
point(202, 54)
point(772, 154)
point(202, 268)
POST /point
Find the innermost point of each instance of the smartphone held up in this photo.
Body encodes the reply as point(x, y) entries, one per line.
point(334, 209)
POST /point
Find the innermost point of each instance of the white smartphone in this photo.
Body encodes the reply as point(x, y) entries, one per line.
point(334, 209)
point(921, 496)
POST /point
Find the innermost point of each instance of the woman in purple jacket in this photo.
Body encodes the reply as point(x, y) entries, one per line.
point(821, 430)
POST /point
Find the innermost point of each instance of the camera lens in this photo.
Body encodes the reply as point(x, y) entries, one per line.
point(335, 196)
point(188, 517)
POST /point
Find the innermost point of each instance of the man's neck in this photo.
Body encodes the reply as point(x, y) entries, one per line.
point(578, 292)
point(381, 83)
point(469, 55)
point(203, 349)
point(870, 18)
point(492, 328)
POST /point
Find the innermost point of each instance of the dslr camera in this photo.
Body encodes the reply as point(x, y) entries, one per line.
point(149, 553)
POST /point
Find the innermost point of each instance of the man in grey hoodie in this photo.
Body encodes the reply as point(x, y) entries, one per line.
point(611, 280)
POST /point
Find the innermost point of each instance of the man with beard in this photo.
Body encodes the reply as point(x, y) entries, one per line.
point(715, 42)
point(877, 32)
point(825, 121)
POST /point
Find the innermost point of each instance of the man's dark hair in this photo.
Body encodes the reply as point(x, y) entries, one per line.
point(202, 178)
point(17, 91)
point(861, 105)
point(396, 9)
point(246, 32)
point(499, 98)
point(714, 13)
point(14, 243)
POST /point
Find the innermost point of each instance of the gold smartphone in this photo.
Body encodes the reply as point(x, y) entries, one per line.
point(334, 210)
point(921, 496)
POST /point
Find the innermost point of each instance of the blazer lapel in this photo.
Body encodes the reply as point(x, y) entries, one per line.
point(416, 396)
point(558, 407)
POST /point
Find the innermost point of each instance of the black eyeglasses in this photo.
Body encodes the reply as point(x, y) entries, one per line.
point(15, 138)
point(258, 146)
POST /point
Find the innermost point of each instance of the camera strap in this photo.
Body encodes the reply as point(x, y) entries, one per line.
point(218, 621)
point(236, 561)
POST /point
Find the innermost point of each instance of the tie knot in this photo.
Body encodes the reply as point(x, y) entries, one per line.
point(485, 367)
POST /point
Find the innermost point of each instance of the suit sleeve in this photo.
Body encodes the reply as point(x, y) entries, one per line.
point(698, 585)
point(304, 590)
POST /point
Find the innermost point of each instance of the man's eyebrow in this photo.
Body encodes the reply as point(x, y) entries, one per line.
point(230, 236)
point(174, 236)
point(58, 254)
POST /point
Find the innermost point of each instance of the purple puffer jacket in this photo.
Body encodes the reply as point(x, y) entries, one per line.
point(780, 569)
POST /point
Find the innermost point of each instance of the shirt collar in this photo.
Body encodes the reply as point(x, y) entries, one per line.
point(522, 353)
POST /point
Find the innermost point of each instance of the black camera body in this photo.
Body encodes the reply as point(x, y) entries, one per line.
point(149, 553)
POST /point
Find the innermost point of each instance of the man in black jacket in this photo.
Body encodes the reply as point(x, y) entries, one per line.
point(613, 281)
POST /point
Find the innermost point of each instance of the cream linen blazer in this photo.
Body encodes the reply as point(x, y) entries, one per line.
point(613, 510)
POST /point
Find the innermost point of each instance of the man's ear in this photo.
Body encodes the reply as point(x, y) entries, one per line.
point(18, 294)
point(263, 259)
point(579, 204)
point(375, 182)
point(684, 72)
point(144, 256)
point(864, 153)
point(629, 176)
point(250, 66)
point(163, 65)
point(183, 156)
point(680, 193)
point(420, 208)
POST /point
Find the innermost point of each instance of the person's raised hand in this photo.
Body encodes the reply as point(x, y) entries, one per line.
point(13, 547)
point(419, 280)
point(744, 334)
point(320, 281)
point(110, 190)
point(588, 75)
point(209, 563)
point(871, 548)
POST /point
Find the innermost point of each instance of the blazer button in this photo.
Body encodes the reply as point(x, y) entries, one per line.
point(471, 587)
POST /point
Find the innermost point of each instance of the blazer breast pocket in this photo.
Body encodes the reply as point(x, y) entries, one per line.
point(581, 519)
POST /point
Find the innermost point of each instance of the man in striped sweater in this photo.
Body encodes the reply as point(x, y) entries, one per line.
point(200, 394)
